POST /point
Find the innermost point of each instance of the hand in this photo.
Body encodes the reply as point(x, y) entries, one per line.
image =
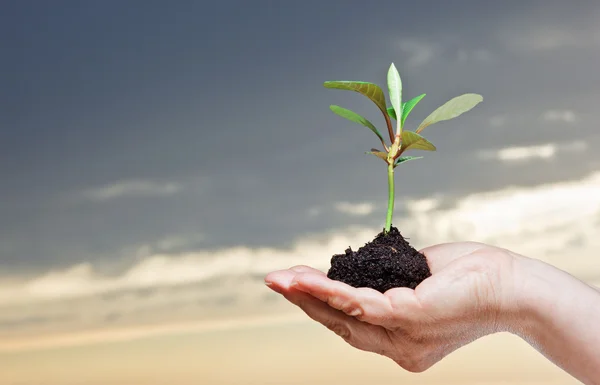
point(470, 294)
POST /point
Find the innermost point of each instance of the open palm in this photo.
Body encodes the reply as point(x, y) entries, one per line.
point(468, 296)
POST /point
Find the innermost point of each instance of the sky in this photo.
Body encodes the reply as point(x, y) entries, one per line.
point(159, 158)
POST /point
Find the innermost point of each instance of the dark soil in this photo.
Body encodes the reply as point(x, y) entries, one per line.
point(386, 262)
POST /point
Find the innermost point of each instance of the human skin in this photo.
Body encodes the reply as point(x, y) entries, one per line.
point(474, 290)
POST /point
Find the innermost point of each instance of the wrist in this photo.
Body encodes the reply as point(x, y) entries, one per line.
point(530, 294)
point(558, 315)
point(543, 295)
point(512, 305)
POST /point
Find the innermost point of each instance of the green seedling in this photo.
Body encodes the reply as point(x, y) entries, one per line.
point(400, 140)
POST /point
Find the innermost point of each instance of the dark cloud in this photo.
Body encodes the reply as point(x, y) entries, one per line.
point(230, 106)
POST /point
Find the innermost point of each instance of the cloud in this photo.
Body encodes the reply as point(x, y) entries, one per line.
point(558, 223)
point(132, 188)
point(314, 212)
point(541, 222)
point(13, 323)
point(503, 215)
point(498, 121)
point(159, 291)
point(542, 36)
point(419, 52)
point(173, 242)
point(545, 39)
point(480, 55)
point(576, 146)
point(566, 116)
point(526, 153)
point(179, 269)
point(422, 205)
point(511, 154)
point(355, 209)
point(167, 244)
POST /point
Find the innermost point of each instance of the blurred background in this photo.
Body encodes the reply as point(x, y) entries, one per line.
point(158, 158)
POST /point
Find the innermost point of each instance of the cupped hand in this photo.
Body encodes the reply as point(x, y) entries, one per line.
point(471, 293)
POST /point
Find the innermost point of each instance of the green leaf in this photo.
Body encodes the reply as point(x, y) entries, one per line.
point(356, 118)
point(370, 90)
point(395, 89)
point(414, 141)
point(403, 159)
point(451, 109)
point(408, 106)
point(392, 113)
point(378, 153)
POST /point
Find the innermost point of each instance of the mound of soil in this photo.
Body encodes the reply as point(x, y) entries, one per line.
point(386, 262)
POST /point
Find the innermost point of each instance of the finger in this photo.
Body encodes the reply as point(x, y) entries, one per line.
point(439, 256)
point(404, 303)
point(334, 320)
point(280, 280)
point(360, 335)
point(306, 269)
point(364, 304)
point(341, 324)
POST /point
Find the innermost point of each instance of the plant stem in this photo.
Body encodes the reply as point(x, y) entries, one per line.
point(388, 122)
point(390, 210)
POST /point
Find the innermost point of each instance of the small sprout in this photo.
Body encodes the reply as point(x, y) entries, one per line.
point(400, 140)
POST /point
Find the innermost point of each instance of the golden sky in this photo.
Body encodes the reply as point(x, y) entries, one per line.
point(251, 336)
point(297, 352)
